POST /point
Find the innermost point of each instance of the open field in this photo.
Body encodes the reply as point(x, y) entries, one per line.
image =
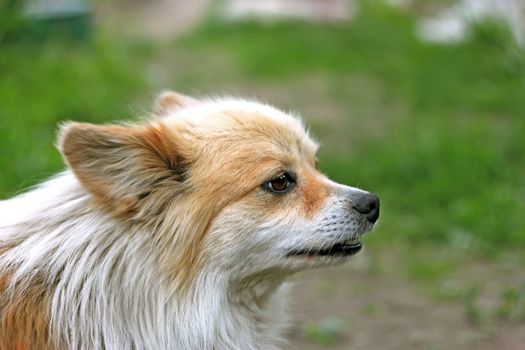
point(438, 132)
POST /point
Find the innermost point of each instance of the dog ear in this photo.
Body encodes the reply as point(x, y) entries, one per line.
point(121, 165)
point(170, 101)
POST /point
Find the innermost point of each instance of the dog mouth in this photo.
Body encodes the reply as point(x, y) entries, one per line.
point(348, 248)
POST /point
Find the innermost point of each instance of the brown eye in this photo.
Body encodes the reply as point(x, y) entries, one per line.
point(280, 184)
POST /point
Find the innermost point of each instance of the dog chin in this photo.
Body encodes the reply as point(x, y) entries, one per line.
point(298, 263)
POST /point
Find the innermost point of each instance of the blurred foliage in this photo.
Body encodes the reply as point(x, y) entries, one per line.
point(437, 131)
point(512, 306)
point(327, 332)
point(11, 19)
point(43, 85)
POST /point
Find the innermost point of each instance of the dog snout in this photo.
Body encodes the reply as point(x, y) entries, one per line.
point(368, 205)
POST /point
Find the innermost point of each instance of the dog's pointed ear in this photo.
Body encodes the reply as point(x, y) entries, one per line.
point(170, 101)
point(121, 165)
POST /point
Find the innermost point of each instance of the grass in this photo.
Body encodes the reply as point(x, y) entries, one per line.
point(437, 131)
point(43, 85)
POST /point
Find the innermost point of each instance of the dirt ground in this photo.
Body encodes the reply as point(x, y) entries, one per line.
point(386, 311)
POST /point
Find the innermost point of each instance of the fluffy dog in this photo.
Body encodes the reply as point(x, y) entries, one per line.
point(176, 233)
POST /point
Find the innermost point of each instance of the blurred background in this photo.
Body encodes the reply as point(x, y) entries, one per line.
point(419, 101)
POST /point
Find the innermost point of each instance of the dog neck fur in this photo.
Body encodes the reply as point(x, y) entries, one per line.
point(103, 288)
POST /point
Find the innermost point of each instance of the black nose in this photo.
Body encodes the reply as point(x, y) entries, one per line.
point(369, 206)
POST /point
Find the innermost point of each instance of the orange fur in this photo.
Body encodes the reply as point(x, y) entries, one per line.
point(169, 101)
point(24, 322)
point(313, 193)
point(91, 150)
point(235, 164)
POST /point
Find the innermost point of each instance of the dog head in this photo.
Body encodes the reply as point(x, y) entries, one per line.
point(228, 184)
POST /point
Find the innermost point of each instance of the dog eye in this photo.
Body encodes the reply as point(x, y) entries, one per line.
point(280, 184)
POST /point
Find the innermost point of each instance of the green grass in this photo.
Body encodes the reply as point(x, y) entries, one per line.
point(437, 131)
point(43, 85)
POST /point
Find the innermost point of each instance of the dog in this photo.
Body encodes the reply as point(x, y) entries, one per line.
point(174, 233)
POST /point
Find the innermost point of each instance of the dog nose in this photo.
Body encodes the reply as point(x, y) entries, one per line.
point(368, 205)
